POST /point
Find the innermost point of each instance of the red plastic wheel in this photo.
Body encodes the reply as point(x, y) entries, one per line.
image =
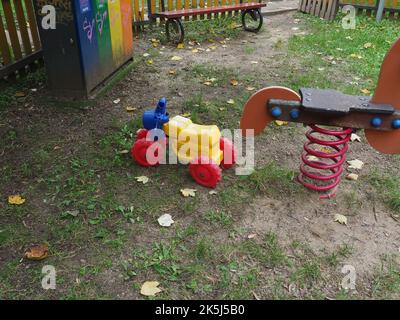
point(205, 172)
point(229, 153)
point(141, 134)
point(139, 151)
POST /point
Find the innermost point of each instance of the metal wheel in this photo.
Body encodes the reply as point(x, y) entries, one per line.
point(174, 30)
point(252, 20)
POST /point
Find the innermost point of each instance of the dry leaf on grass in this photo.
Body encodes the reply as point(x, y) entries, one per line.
point(130, 109)
point(180, 46)
point(340, 218)
point(352, 177)
point(355, 164)
point(142, 179)
point(150, 288)
point(16, 199)
point(116, 101)
point(355, 137)
point(37, 252)
point(213, 192)
point(365, 91)
point(281, 123)
point(176, 58)
point(231, 101)
point(165, 220)
point(188, 192)
point(234, 82)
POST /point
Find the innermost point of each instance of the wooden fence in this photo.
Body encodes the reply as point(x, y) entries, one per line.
point(19, 38)
point(369, 7)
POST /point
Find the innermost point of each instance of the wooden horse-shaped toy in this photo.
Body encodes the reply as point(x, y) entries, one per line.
point(379, 116)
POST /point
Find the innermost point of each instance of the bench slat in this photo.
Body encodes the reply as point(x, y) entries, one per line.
point(191, 12)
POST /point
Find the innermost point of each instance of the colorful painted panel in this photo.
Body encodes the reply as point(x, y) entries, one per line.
point(86, 29)
point(126, 11)
point(117, 45)
point(103, 36)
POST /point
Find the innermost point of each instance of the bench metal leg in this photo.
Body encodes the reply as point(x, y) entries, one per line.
point(174, 30)
point(252, 20)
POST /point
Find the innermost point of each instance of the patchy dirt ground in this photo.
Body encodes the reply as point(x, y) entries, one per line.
point(64, 155)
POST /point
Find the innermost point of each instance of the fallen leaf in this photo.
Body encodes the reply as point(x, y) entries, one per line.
point(281, 123)
point(365, 91)
point(355, 164)
point(253, 62)
point(207, 83)
point(352, 177)
point(353, 55)
point(180, 46)
point(150, 288)
point(176, 58)
point(130, 109)
point(340, 218)
point(234, 82)
point(250, 88)
point(116, 101)
point(142, 179)
point(73, 213)
point(20, 94)
point(16, 199)
point(213, 47)
point(124, 151)
point(188, 192)
point(195, 50)
point(186, 115)
point(312, 158)
point(165, 220)
point(355, 137)
point(231, 101)
point(251, 236)
point(146, 54)
point(37, 252)
point(213, 192)
point(150, 61)
point(368, 45)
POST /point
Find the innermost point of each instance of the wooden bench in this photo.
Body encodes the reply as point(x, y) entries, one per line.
point(252, 19)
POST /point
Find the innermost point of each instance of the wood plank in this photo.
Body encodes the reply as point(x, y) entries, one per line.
point(209, 5)
point(309, 4)
point(30, 12)
point(335, 7)
point(12, 29)
point(178, 4)
point(187, 6)
point(312, 12)
point(4, 49)
point(23, 29)
point(323, 9)
point(201, 5)
point(328, 9)
point(194, 6)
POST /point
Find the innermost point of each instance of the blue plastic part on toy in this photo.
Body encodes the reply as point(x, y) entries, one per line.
point(396, 124)
point(155, 119)
point(376, 122)
point(295, 113)
point(276, 112)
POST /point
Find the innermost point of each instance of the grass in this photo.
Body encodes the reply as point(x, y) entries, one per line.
point(114, 232)
point(350, 59)
point(388, 189)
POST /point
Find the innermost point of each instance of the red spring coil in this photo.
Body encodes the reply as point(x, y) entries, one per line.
point(330, 161)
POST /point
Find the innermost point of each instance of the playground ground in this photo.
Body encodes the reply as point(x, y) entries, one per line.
point(259, 237)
